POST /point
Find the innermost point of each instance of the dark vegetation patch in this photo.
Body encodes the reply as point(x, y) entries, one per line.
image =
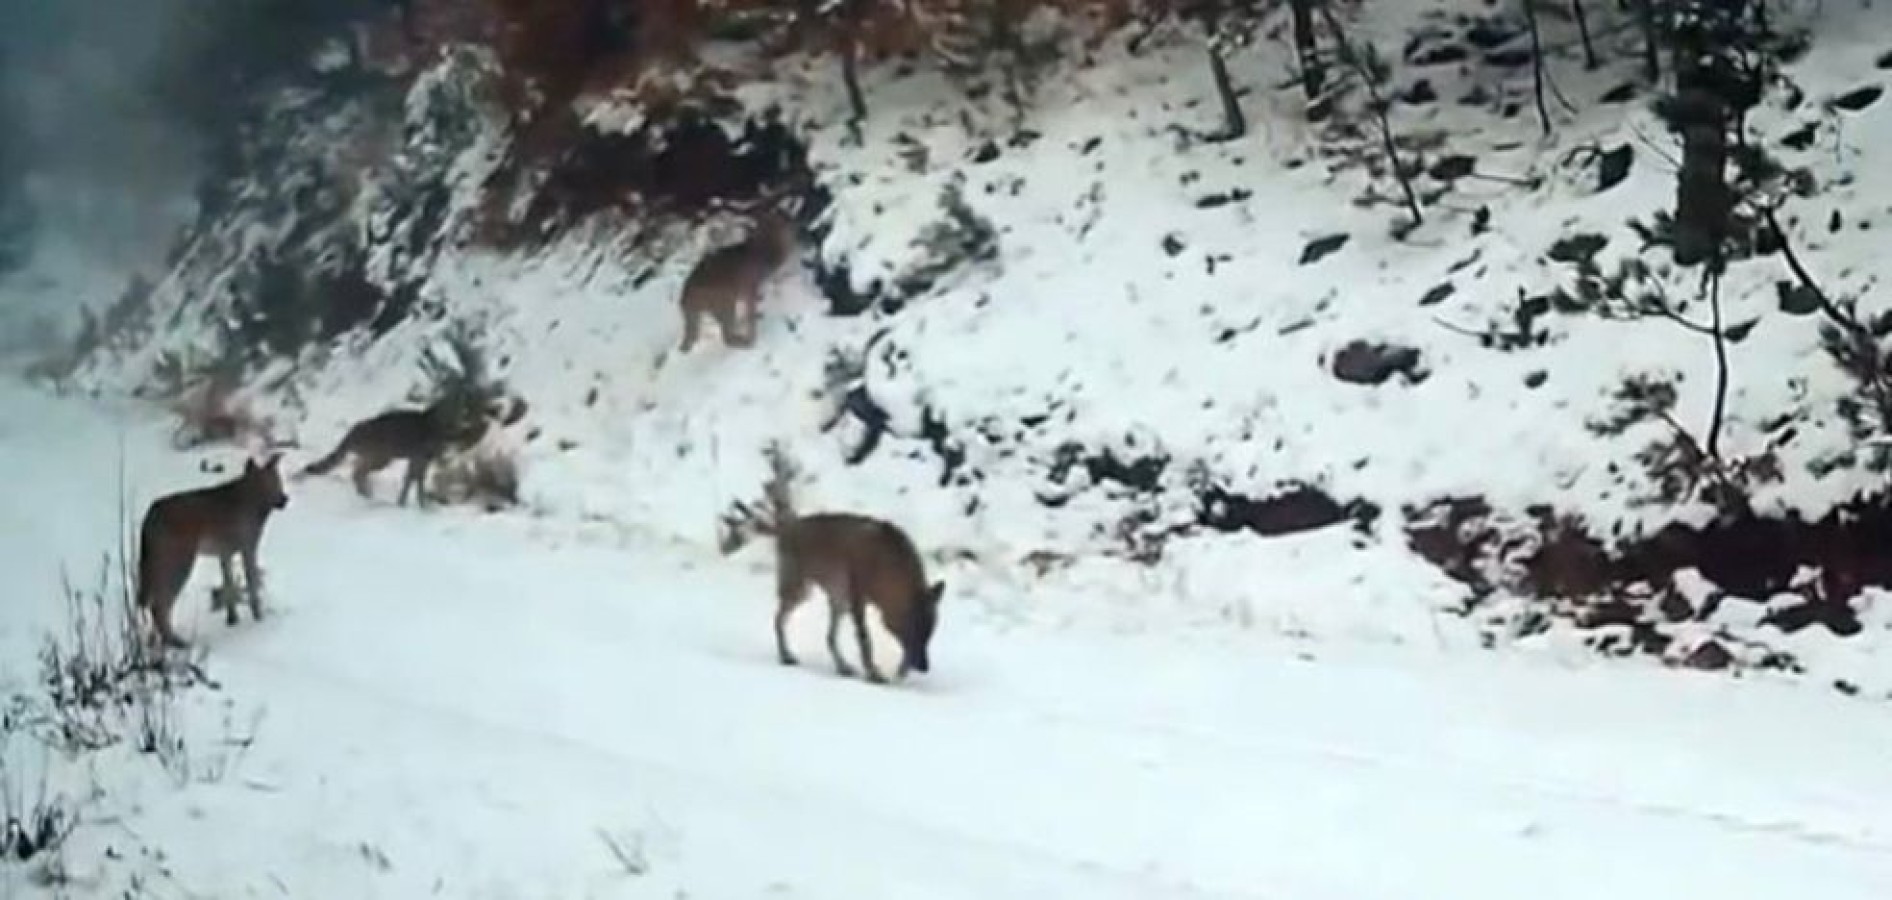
point(1630, 589)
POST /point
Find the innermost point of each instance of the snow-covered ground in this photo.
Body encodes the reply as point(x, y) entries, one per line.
point(449, 704)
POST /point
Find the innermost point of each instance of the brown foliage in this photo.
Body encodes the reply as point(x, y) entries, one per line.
point(543, 45)
point(213, 413)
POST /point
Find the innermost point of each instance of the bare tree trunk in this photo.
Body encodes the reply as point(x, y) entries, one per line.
point(1715, 419)
point(1380, 107)
point(1313, 72)
point(1651, 40)
point(1702, 117)
point(1234, 124)
point(1701, 189)
point(1537, 64)
point(1583, 30)
point(851, 80)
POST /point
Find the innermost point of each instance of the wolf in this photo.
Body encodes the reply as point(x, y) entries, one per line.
point(418, 436)
point(857, 560)
point(224, 520)
point(726, 283)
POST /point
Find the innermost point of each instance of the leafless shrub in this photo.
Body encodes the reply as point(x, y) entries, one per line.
point(102, 682)
point(629, 852)
point(1676, 463)
point(35, 822)
point(204, 392)
point(486, 474)
point(458, 371)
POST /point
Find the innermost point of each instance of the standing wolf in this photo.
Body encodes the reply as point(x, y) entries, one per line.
point(418, 436)
point(226, 521)
point(858, 561)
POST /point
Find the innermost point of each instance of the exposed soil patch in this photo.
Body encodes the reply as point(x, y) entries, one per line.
point(679, 166)
point(1632, 590)
point(1296, 508)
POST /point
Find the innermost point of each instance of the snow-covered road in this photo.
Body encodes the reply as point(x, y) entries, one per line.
point(464, 706)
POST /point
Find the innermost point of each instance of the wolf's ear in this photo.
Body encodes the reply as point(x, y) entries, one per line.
point(249, 465)
point(935, 591)
point(274, 458)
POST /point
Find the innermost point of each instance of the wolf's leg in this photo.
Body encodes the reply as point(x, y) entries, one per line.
point(728, 322)
point(835, 612)
point(790, 591)
point(227, 592)
point(253, 583)
point(867, 648)
point(161, 596)
point(692, 329)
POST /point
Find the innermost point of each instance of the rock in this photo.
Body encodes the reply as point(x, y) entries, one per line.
point(1369, 363)
point(1838, 616)
point(1675, 607)
point(1577, 248)
point(1510, 58)
point(1709, 656)
point(1437, 54)
point(1452, 168)
point(1320, 247)
point(1487, 34)
point(1172, 244)
point(1211, 201)
point(1143, 473)
point(1608, 613)
point(1296, 509)
point(1437, 294)
point(1858, 98)
point(1796, 299)
point(1535, 378)
point(1420, 94)
point(1622, 93)
point(1613, 166)
point(1801, 138)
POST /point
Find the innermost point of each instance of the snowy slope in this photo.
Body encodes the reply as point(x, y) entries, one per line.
point(458, 705)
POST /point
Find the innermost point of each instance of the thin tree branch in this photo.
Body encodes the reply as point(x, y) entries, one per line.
point(1380, 108)
point(1537, 65)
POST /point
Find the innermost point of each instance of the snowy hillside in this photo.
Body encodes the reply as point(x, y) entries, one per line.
point(1172, 362)
point(1115, 349)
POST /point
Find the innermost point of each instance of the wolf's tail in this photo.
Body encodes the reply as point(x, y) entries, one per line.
point(327, 463)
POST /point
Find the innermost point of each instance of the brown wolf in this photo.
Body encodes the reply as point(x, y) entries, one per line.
point(226, 521)
point(856, 560)
point(418, 436)
point(728, 280)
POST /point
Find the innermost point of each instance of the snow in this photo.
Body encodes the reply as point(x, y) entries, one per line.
point(444, 703)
